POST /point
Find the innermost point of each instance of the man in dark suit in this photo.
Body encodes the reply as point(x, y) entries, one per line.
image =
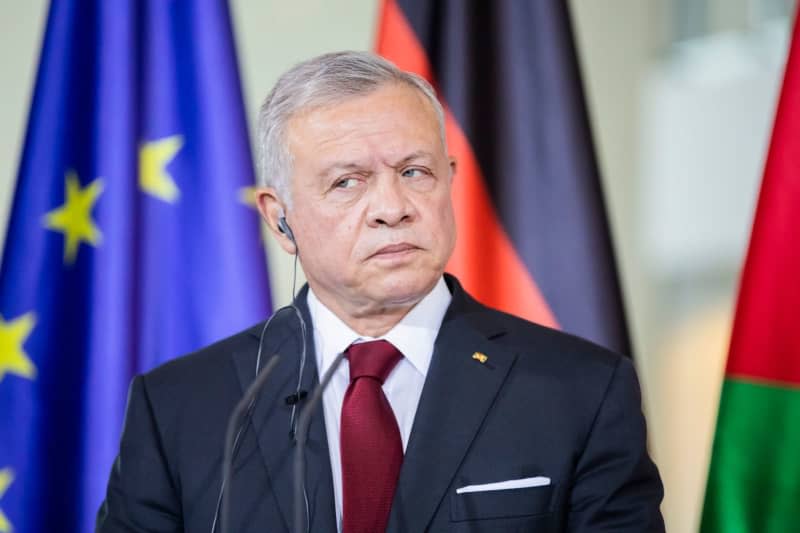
point(444, 416)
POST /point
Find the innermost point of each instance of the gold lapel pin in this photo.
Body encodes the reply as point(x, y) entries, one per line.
point(482, 357)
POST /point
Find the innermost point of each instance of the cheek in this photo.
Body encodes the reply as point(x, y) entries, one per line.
point(447, 229)
point(444, 216)
point(331, 238)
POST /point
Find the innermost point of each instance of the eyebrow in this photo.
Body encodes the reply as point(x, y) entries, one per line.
point(419, 154)
point(350, 167)
point(339, 166)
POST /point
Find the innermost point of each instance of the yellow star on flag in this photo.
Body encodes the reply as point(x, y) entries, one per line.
point(6, 478)
point(154, 156)
point(74, 218)
point(13, 335)
point(247, 195)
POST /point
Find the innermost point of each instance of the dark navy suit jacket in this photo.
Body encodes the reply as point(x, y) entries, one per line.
point(542, 404)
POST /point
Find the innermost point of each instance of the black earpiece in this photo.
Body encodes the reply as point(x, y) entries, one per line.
point(284, 228)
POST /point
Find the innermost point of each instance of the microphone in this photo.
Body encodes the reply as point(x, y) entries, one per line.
point(244, 407)
point(301, 435)
point(297, 397)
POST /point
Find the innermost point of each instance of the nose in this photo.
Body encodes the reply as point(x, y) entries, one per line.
point(389, 204)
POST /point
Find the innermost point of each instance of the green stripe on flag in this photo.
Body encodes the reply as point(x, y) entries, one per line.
point(754, 480)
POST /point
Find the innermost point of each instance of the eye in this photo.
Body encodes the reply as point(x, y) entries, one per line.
point(345, 183)
point(414, 172)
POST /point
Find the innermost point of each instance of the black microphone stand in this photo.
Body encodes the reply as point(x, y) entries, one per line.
point(301, 436)
point(245, 406)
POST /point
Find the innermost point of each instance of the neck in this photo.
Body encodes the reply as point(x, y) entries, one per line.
point(368, 319)
point(376, 326)
point(375, 322)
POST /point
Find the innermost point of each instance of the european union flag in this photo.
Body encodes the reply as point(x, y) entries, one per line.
point(131, 239)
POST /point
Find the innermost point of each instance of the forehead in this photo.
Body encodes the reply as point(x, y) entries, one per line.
point(393, 117)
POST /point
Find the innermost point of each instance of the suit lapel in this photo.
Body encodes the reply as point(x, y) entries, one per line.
point(458, 392)
point(272, 415)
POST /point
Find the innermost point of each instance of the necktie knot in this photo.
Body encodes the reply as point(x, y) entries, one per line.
point(374, 359)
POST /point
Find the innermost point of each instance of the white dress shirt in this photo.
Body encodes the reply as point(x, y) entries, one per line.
point(414, 336)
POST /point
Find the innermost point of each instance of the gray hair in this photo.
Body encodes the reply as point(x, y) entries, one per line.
point(320, 81)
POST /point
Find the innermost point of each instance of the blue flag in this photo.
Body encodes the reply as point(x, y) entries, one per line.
point(130, 242)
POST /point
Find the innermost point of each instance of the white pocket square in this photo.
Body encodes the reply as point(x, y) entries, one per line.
point(524, 483)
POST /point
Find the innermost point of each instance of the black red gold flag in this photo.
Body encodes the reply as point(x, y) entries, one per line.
point(533, 233)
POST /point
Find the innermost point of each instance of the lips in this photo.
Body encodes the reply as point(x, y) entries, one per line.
point(394, 249)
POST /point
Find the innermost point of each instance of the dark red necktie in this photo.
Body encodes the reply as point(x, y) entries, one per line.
point(371, 449)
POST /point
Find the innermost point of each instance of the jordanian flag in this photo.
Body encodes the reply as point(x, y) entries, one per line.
point(754, 481)
point(533, 238)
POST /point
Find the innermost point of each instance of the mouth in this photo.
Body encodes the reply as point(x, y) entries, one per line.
point(394, 251)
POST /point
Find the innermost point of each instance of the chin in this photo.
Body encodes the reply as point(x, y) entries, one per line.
point(406, 289)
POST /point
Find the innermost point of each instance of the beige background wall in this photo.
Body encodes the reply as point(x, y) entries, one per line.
point(679, 314)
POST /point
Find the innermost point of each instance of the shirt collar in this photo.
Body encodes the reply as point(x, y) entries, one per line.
point(414, 335)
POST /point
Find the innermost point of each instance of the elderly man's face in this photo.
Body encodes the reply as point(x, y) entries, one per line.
point(371, 206)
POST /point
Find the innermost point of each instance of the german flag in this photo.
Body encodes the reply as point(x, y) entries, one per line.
point(533, 234)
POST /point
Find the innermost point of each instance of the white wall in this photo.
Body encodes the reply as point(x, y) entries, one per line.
point(21, 25)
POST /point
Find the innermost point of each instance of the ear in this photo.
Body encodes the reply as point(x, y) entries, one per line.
point(272, 208)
